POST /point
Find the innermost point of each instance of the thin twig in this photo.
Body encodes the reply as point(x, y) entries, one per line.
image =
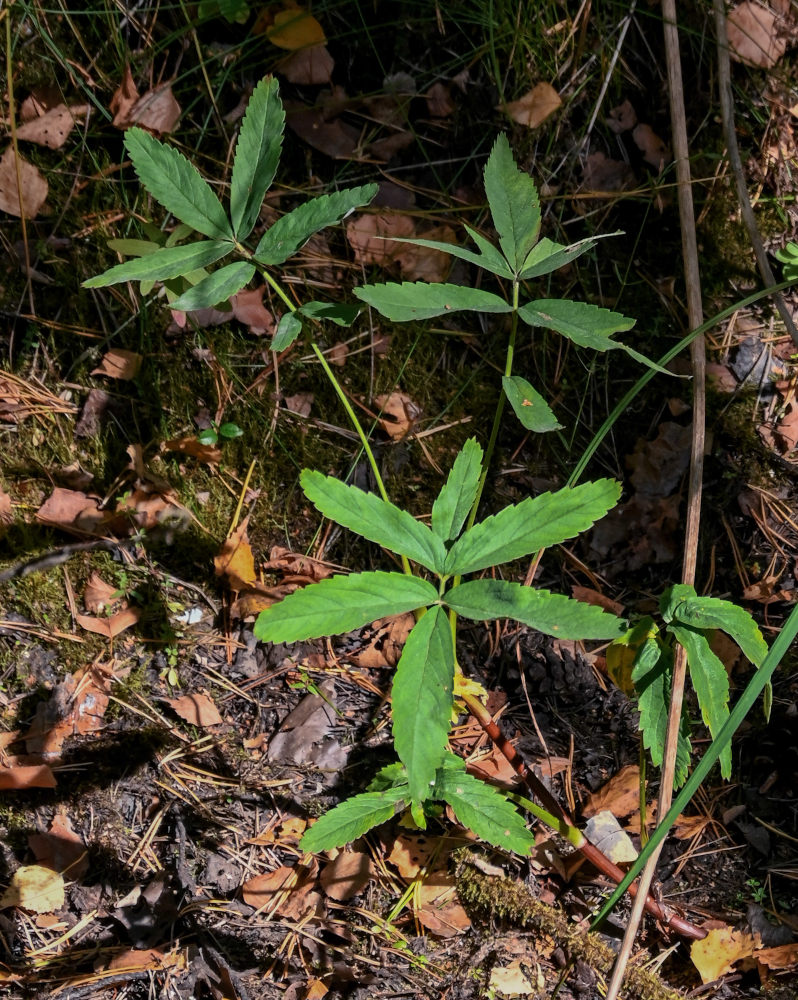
point(733, 151)
point(698, 361)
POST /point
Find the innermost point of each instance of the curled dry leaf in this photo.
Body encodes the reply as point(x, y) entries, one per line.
point(198, 709)
point(35, 888)
point(124, 98)
point(535, 106)
point(43, 98)
point(236, 561)
point(386, 646)
point(52, 128)
point(32, 186)
point(98, 594)
point(623, 118)
point(398, 414)
point(118, 363)
point(754, 35)
point(590, 596)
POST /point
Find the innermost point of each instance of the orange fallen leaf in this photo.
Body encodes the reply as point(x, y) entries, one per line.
point(190, 446)
point(61, 848)
point(596, 598)
point(783, 956)
point(198, 709)
point(26, 776)
point(32, 185)
point(137, 958)
point(720, 949)
point(370, 236)
point(75, 708)
point(72, 509)
point(120, 364)
point(316, 990)
point(398, 414)
point(535, 106)
point(110, 627)
point(35, 888)
point(439, 909)
point(295, 28)
point(347, 875)
point(236, 561)
point(97, 594)
point(411, 852)
point(620, 795)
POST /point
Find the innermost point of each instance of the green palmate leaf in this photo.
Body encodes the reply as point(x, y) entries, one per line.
point(177, 184)
point(293, 230)
point(481, 807)
point(390, 776)
point(217, 287)
point(342, 603)
point(340, 313)
point(711, 613)
point(547, 256)
point(257, 155)
point(459, 492)
point(585, 324)
point(352, 818)
point(378, 520)
point(138, 248)
point(288, 329)
point(422, 700)
point(529, 406)
point(514, 204)
point(419, 300)
point(554, 614)
point(533, 524)
point(710, 682)
point(162, 264)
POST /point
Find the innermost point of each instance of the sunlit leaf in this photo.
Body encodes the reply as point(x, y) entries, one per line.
point(352, 818)
point(217, 287)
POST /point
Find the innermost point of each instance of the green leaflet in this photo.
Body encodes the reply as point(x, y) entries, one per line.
point(161, 264)
point(418, 300)
point(288, 329)
point(481, 807)
point(585, 324)
point(293, 230)
point(673, 597)
point(554, 614)
point(134, 248)
point(547, 256)
point(257, 155)
point(390, 776)
point(652, 672)
point(422, 700)
point(352, 818)
point(340, 313)
point(342, 603)
point(490, 257)
point(711, 613)
point(217, 287)
point(454, 501)
point(177, 185)
point(374, 518)
point(535, 523)
point(529, 406)
point(710, 682)
point(514, 204)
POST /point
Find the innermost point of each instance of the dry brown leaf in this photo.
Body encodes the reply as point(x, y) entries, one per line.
point(511, 980)
point(439, 100)
point(120, 364)
point(98, 594)
point(439, 909)
point(330, 136)
point(6, 514)
point(398, 414)
point(207, 453)
point(386, 646)
point(411, 852)
point(296, 883)
point(33, 186)
point(26, 776)
point(721, 378)
point(424, 263)
point(719, 950)
point(137, 958)
point(494, 768)
point(621, 794)
point(75, 708)
point(589, 596)
point(338, 354)
point(72, 509)
point(35, 888)
point(60, 848)
point(655, 152)
point(370, 236)
point(347, 875)
point(53, 127)
point(110, 627)
point(40, 100)
point(294, 564)
point(294, 28)
point(198, 709)
point(300, 403)
point(236, 561)
point(535, 106)
point(311, 66)
point(623, 118)
point(157, 111)
point(315, 990)
point(783, 956)
point(754, 36)
point(124, 98)
point(248, 308)
point(603, 174)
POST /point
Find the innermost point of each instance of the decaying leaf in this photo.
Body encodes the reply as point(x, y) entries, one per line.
point(511, 981)
point(290, 891)
point(623, 118)
point(236, 561)
point(655, 152)
point(754, 35)
point(20, 777)
point(603, 174)
point(411, 852)
point(439, 909)
point(118, 363)
point(198, 709)
point(207, 453)
point(385, 648)
point(75, 708)
point(60, 849)
point(112, 626)
point(720, 949)
point(97, 594)
point(34, 888)
point(535, 106)
point(424, 263)
point(370, 236)
point(124, 98)
point(52, 128)
point(439, 100)
point(347, 875)
point(311, 66)
point(329, 135)
point(32, 186)
point(157, 110)
point(398, 414)
point(248, 308)
point(621, 794)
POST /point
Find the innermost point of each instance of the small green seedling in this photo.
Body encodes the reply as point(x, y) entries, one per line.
point(789, 258)
point(177, 185)
point(226, 431)
point(645, 657)
point(423, 688)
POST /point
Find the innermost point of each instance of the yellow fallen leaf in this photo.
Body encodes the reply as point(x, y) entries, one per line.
point(36, 888)
point(295, 28)
point(719, 950)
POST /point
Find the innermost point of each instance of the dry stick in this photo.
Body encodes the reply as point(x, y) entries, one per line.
point(698, 360)
point(568, 828)
point(747, 212)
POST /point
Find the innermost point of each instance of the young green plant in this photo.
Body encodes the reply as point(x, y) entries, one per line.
point(423, 689)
